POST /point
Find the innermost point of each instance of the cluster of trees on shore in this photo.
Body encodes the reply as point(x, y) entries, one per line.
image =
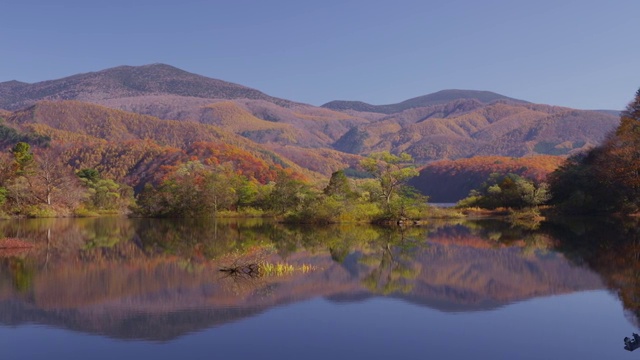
point(606, 179)
point(196, 189)
point(38, 184)
point(507, 191)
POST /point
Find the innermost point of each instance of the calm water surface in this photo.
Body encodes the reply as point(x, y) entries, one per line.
point(118, 288)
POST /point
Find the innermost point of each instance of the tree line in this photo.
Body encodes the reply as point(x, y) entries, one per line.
point(198, 189)
point(36, 182)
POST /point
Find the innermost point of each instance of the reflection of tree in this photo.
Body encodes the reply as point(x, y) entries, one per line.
point(389, 251)
point(340, 253)
point(609, 247)
point(391, 262)
point(203, 239)
point(509, 233)
point(22, 273)
point(59, 241)
point(339, 240)
point(500, 232)
point(536, 244)
point(107, 232)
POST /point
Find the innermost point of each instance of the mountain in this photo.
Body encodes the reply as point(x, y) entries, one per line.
point(169, 93)
point(437, 98)
point(615, 113)
point(126, 81)
point(449, 124)
point(467, 128)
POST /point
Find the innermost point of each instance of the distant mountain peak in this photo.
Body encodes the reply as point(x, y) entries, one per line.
point(127, 81)
point(150, 68)
point(14, 82)
point(437, 98)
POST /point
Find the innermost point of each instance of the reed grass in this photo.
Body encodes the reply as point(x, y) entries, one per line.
point(282, 269)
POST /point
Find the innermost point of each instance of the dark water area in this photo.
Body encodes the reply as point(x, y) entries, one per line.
point(136, 288)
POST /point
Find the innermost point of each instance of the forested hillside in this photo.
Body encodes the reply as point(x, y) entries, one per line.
point(135, 148)
point(452, 180)
point(448, 124)
point(466, 128)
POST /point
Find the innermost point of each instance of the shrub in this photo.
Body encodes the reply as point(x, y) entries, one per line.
point(84, 212)
point(41, 211)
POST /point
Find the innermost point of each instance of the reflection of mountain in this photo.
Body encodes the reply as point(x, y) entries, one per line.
point(461, 271)
point(461, 278)
point(132, 290)
point(123, 324)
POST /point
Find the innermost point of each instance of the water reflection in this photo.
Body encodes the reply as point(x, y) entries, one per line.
point(610, 247)
point(160, 279)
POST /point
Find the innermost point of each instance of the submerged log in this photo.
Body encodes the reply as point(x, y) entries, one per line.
point(251, 270)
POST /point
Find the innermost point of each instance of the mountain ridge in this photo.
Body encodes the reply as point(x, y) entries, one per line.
point(467, 128)
point(449, 124)
point(436, 98)
point(127, 81)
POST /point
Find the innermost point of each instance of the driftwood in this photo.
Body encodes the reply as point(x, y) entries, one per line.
point(249, 270)
point(245, 267)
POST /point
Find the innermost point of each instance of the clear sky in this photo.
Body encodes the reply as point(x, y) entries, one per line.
point(578, 53)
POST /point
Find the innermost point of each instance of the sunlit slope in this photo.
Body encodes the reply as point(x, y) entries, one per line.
point(468, 128)
point(134, 147)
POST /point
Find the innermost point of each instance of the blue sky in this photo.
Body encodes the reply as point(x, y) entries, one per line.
point(582, 54)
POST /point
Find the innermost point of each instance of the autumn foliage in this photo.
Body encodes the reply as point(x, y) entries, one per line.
point(607, 178)
point(138, 149)
point(452, 180)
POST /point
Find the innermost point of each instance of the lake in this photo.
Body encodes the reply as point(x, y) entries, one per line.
point(110, 288)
